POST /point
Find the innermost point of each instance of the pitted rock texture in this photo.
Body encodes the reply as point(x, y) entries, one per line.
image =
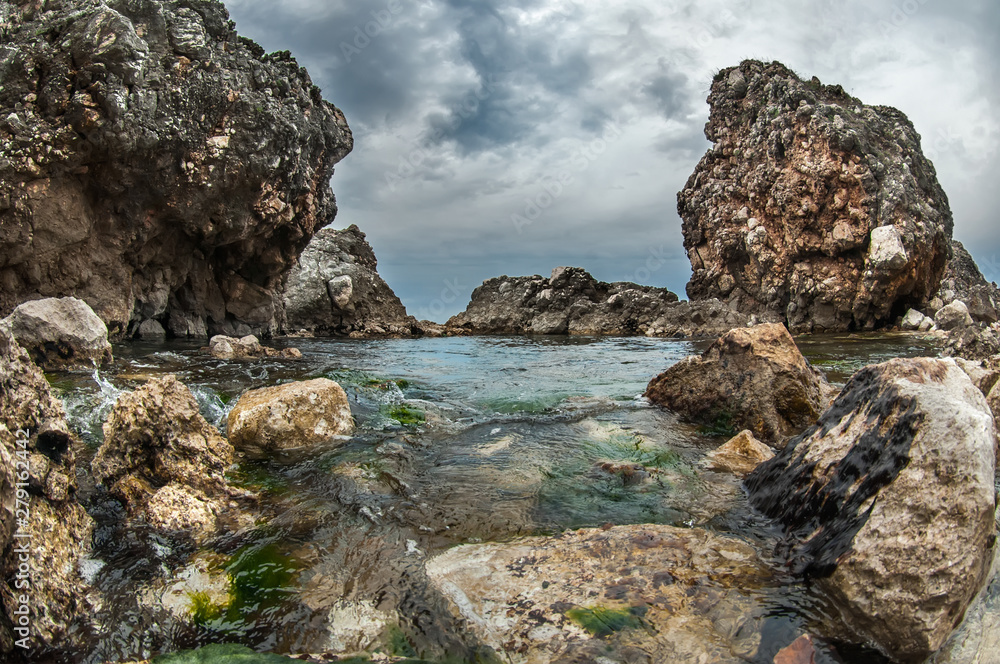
point(571, 301)
point(751, 378)
point(42, 474)
point(889, 501)
point(812, 208)
point(156, 164)
point(964, 282)
point(60, 332)
point(335, 289)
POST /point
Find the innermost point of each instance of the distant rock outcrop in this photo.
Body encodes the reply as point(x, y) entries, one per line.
point(156, 164)
point(571, 301)
point(335, 289)
point(812, 208)
point(964, 282)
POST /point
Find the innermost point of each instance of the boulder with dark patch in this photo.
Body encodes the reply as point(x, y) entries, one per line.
point(60, 332)
point(156, 164)
point(751, 378)
point(811, 207)
point(888, 502)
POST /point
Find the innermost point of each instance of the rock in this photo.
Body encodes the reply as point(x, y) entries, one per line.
point(38, 466)
point(888, 502)
point(60, 332)
point(812, 208)
point(800, 651)
point(752, 378)
point(592, 594)
point(151, 330)
point(571, 301)
point(164, 461)
point(740, 455)
point(247, 348)
point(954, 316)
point(974, 342)
point(977, 641)
point(913, 320)
point(162, 166)
point(335, 289)
point(984, 378)
point(993, 400)
point(281, 419)
point(963, 281)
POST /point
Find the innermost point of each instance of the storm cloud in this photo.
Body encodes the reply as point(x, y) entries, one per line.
point(497, 137)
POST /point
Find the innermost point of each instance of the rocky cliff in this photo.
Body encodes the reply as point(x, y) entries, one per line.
point(571, 301)
point(812, 208)
point(964, 282)
point(335, 289)
point(156, 164)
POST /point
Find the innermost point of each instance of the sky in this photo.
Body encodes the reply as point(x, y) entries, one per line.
point(514, 136)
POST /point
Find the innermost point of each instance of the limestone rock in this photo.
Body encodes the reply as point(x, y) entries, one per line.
point(247, 348)
point(335, 289)
point(156, 164)
point(571, 301)
point(164, 461)
point(963, 281)
point(811, 208)
point(889, 501)
point(974, 342)
point(740, 455)
point(151, 330)
point(59, 332)
point(281, 419)
point(752, 378)
point(914, 321)
point(534, 599)
point(954, 316)
point(37, 452)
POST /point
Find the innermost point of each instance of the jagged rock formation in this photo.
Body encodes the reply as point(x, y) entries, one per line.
point(571, 301)
point(335, 289)
point(964, 282)
point(38, 467)
point(889, 501)
point(156, 164)
point(751, 378)
point(59, 332)
point(812, 208)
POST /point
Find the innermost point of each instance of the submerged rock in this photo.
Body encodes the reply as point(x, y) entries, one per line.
point(811, 207)
point(247, 348)
point(624, 591)
point(571, 301)
point(60, 332)
point(164, 461)
point(289, 417)
point(751, 378)
point(740, 455)
point(38, 467)
point(156, 164)
point(889, 501)
point(335, 289)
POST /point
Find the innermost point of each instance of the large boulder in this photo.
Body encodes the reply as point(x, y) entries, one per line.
point(811, 207)
point(571, 301)
point(751, 378)
point(279, 420)
point(889, 501)
point(60, 332)
point(164, 461)
point(335, 289)
point(620, 594)
point(38, 467)
point(156, 164)
point(954, 316)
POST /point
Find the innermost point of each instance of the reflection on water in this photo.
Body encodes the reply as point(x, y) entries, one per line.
point(459, 440)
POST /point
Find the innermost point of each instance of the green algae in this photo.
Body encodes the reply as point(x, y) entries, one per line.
point(203, 609)
point(406, 415)
point(601, 621)
point(229, 653)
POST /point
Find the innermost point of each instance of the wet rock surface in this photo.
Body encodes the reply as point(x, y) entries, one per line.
point(648, 593)
point(156, 164)
point(740, 455)
point(38, 468)
point(247, 348)
point(59, 332)
point(889, 501)
point(276, 421)
point(811, 207)
point(164, 462)
point(751, 378)
point(571, 301)
point(335, 289)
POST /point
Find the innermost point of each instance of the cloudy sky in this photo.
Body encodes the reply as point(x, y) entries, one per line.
point(512, 136)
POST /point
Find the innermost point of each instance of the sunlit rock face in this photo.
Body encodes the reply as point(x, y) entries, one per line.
point(812, 208)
